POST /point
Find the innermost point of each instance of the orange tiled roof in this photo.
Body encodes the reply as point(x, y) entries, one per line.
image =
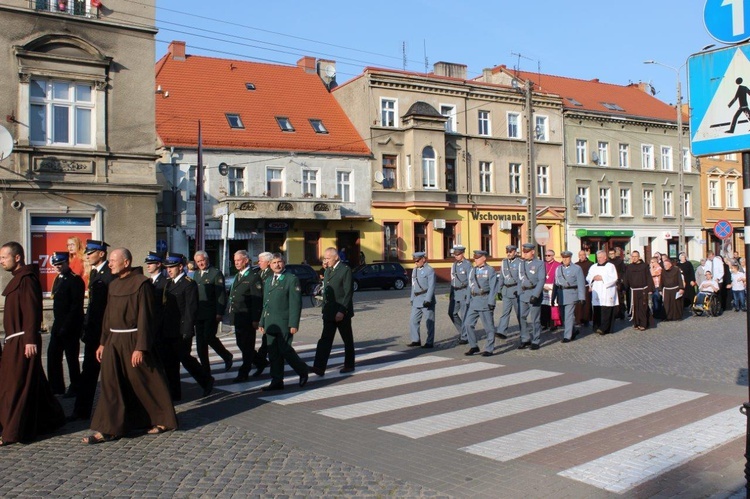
point(206, 88)
point(593, 94)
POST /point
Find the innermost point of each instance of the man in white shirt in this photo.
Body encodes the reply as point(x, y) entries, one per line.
point(602, 279)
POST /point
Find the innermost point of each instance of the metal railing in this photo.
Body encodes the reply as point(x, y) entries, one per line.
point(71, 7)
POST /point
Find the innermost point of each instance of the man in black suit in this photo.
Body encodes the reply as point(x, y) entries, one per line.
point(99, 279)
point(178, 328)
point(264, 272)
point(155, 270)
point(245, 306)
point(338, 310)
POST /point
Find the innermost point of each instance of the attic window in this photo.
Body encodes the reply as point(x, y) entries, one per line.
point(284, 124)
point(612, 107)
point(318, 126)
point(234, 120)
point(250, 86)
point(574, 102)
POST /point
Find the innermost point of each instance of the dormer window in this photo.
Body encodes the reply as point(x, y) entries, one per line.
point(318, 126)
point(284, 124)
point(234, 120)
point(250, 86)
point(612, 107)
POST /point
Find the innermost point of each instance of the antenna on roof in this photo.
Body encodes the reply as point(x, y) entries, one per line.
point(426, 64)
point(403, 54)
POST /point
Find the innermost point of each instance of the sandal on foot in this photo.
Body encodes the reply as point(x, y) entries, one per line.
point(157, 429)
point(98, 438)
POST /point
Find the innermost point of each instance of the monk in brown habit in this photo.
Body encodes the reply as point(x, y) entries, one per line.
point(134, 391)
point(637, 279)
point(672, 287)
point(27, 406)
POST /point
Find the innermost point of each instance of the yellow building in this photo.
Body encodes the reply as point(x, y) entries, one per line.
point(721, 183)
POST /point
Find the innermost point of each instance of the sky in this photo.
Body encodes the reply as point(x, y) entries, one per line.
point(585, 39)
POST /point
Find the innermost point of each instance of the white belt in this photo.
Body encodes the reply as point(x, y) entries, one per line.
point(673, 287)
point(639, 289)
point(13, 335)
point(123, 330)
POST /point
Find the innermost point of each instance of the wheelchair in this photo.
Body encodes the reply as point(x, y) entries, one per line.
point(707, 303)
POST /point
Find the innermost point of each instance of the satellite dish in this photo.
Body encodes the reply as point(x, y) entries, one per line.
point(330, 71)
point(379, 177)
point(6, 143)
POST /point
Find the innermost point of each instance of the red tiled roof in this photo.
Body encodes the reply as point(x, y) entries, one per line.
point(592, 94)
point(206, 88)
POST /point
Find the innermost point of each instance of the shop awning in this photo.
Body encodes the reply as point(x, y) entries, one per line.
point(603, 233)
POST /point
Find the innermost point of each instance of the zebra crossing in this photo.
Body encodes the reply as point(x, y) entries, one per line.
point(492, 411)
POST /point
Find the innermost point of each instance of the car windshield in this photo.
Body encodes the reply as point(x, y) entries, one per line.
point(358, 268)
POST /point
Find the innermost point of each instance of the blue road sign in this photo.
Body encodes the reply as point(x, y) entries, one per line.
point(719, 96)
point(723, 229)
point(161, 246)
point(727, 21)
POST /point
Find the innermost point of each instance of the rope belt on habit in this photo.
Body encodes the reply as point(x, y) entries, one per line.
point(639, 289)
point(123, 330)
point(13, 336)
point(673, 287)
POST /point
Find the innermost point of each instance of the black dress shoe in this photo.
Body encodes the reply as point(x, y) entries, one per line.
point(534, 346)
point(209, 387)
point(303, 380)
point(524, 345)
point(414, 344)
point(472, 351)
point(463, 342)
point(576, 332)
point(318, 371)
point(273, 386)
point(501, 336)
point(345, 370)
point(259, 371)
point(241, 378)
point(487, 354)
point(428, 345)
point(228, 364)
point(566, 340)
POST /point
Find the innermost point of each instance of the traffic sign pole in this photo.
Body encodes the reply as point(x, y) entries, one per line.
point(745, 409)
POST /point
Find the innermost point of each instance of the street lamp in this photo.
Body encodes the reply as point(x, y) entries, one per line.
point(680, 155)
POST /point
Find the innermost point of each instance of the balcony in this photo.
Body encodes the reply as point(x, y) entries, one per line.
point(285, 207)
point(81, 8)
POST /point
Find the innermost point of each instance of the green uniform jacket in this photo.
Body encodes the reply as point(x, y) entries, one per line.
point(212, 296)
point(338, 291)
point(246, 297)
point(282, 304)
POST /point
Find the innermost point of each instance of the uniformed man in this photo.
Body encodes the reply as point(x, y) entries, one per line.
point(422, 301)
point(571, 290)
point(459, 297)
point(279, 322)
point(212, 301)
point(65, 334)
point(155, 270)
point(483, 292)
point(245, 304)
point(507, 286)
point(531, 277)
point(264, 272)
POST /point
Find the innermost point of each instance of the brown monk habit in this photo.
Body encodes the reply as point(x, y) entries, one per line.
point(638, 280)
point(583, 310)
point(131, 397)
point(671, 283)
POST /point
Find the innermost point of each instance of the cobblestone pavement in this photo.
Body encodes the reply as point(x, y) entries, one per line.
point(239, 443)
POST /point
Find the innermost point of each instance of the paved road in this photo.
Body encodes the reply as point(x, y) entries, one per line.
point(634, 414)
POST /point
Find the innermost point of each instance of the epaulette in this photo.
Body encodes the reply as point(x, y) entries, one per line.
point(188, 279)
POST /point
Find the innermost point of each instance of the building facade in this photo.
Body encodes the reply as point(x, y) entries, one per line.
point(450, 162)
point(721, 184)
point(284, 169)
point(78, 90)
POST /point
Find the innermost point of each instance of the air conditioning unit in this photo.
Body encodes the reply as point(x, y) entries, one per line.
point(438, 223)
point(505, 225)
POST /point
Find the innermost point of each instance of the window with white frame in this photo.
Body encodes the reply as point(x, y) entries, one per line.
point(687, 204)
point(390, 169)
point(514, 178)
point(514, 126)
point(731, 193)
point(72, 7)
point(666, 158)
point(584, 200)
point(429, 168)
point(344, 185)
point(310, 183)
point(603, 148)
point(485, 176)
point(541, 128)
point(667, 204)
point(61, 113)
point(236, 179)
point(648, 202)
point(581, 151)
point(713, 194)
point(731, 156)
point(605, 201)
point(542, 180)
point(647, 156)
point(449, 111)
point(388, 111)
point(624, 155)
point(625, 202)
point(685, 159)
point(483, 124)
point(274, 182)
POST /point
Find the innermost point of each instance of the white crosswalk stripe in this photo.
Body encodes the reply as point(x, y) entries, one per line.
point(439, 423)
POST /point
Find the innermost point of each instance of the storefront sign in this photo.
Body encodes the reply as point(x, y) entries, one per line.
point(489, 216)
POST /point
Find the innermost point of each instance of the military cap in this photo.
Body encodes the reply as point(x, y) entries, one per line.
point(418, 254)
point(153, 258)
point(480, 253)
point(529, 246)
point(511, 247)
point(174, 259)
point(60, 257)
point(459, 248)
point(566, 254)
point(93, 245)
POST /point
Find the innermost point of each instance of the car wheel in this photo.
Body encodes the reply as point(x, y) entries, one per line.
point(399, 284)
point(355, 285)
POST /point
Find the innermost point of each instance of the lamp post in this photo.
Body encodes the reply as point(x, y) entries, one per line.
point(530, 132)
point(680, 155)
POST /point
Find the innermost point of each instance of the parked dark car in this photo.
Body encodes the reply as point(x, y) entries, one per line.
point(308, 277)
point(380, 275)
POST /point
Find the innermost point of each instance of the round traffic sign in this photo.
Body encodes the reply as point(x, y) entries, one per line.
point(723, 229)
point(727, 21)
point(541, 234)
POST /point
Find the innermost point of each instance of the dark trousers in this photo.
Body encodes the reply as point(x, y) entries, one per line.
point(245, 334)
point(323, 351)
point(176, 351)
point(86, 389)
point(206, 337)
point(280, 349)
point(604, 318)
point(69, 345)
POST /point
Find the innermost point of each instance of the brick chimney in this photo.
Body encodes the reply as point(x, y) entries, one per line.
point(450, 69)
point(177, 49)
point(308, 64)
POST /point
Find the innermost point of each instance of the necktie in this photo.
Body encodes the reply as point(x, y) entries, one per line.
point(275, 279)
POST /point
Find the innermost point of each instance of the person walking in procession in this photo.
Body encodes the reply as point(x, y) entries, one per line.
point(422, 301)
point(570, 287)
point(531, 281)
point(245, 305)
point(638, 280)
point(459, 295)
point(507, 287)
point(212, 301)
point(602, 279)
point(483, 290)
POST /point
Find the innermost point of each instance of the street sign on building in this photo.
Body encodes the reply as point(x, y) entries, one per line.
point(727, 21)
point(723, 229)
point(719, 92)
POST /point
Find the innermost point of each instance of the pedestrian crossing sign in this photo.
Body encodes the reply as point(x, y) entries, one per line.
point(719, 93)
